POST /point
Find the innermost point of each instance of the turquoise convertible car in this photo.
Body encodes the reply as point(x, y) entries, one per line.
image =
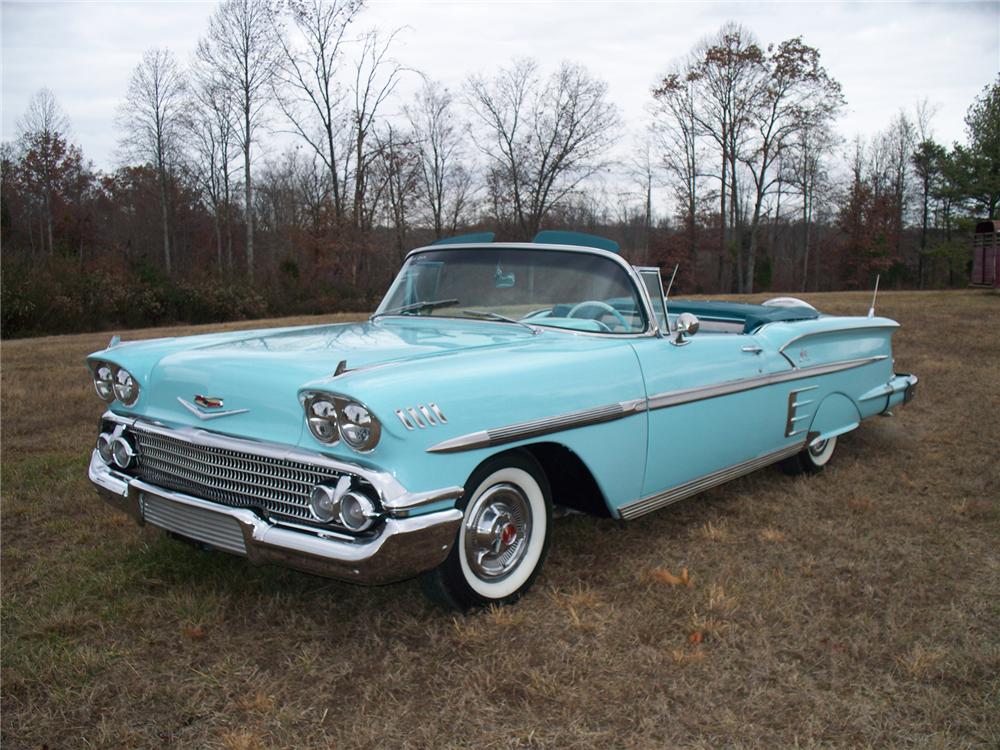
point(495, 382)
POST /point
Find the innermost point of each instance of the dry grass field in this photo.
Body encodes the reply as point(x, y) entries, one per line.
point(857, 608)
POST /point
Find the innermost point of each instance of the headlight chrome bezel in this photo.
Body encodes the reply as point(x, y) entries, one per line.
point(126, 387)
point(114, 383)
point(348, 420)
point(321, 417)
point(104, 381)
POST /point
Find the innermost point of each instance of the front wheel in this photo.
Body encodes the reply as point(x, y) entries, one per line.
point(503, 538)
point(812, 459)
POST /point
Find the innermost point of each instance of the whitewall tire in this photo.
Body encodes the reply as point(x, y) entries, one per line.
point(811, 459)
point(503, 539)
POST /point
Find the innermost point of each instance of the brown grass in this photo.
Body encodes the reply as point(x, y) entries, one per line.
point(858, 608)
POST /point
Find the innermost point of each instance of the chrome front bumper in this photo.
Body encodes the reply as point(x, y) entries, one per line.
point(403, 548)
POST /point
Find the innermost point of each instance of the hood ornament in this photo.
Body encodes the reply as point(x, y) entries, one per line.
point(201, 403)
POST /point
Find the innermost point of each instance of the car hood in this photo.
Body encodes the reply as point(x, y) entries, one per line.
point(258, 374)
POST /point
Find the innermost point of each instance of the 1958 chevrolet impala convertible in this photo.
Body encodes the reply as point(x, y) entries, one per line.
point(495, 381)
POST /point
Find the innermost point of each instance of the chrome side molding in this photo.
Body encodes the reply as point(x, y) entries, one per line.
point(674, 494)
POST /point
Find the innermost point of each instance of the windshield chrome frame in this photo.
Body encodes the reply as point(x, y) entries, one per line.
point(652, 328)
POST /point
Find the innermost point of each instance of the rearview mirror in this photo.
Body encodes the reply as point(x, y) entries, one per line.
point(687, 325)
point(504, 280)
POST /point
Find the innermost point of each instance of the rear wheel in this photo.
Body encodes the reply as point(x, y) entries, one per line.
point(812, 459)
point(503, 538)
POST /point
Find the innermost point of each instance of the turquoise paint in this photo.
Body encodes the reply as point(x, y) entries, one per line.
point(579, 239)
point(486, 375)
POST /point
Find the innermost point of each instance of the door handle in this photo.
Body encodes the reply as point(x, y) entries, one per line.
point(751, 349)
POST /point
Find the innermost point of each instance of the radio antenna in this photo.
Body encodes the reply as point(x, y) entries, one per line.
point(871, 310)
point(666, 294)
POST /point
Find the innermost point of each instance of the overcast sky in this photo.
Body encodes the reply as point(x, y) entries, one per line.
point(887, 55)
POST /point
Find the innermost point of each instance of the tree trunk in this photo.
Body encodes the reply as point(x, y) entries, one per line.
point(805, 240)
point(164, 214)
point(248, 193)
point(722, 221)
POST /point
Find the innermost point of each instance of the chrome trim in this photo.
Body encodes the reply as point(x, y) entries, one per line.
point(793, 406)
point(651, 329)
point(416, 417)
point(402, 548)
point(396, 500)
point(405, 420)
point(840, 329)
point(607, 413)
point(667, 497)
point(206, 415)
point(437, 412)
point(427, 415)
point(752, 349)
point(539, 427)
point(702, 392)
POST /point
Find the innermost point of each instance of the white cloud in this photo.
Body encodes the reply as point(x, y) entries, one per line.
point(887, 55)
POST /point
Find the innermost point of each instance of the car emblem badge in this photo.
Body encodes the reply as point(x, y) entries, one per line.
point(202, 404)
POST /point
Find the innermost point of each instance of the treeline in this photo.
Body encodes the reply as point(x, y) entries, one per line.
point(208, 219)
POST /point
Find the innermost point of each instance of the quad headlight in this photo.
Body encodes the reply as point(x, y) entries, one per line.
point(126, 387)
point(104, 381)
point(358, 426)
point(331, 418)
point(321, 416)
point(112, 382)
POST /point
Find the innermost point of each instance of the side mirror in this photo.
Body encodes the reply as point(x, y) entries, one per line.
point(687, 325)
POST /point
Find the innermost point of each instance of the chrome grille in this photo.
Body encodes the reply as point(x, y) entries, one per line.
point(234, 478)
point(216, 529)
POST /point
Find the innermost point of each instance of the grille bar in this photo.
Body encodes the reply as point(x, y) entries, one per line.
point(235, 478)
point(205, 526)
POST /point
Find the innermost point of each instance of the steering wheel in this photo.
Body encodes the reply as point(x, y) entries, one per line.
point(604, 307)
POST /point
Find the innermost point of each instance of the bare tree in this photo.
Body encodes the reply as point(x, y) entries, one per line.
point(313, 100)
point(242, 49)
point(543, 138)
point(376, 76)
point(151, 118)
point(211, 139)
point(678, 134)
point(42, 131)
point(805, 171)
point(797, 94)
point(445, 183)
point(728, 70)
point(398, 169)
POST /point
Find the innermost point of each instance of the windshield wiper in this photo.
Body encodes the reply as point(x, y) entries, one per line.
point(490, 315)
point(416, 307)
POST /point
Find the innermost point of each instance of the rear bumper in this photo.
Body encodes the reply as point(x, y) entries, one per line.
point(902, 389)
point(403, 548)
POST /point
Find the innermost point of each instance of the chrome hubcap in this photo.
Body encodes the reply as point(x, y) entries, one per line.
point(817, 450)
point(497, 531)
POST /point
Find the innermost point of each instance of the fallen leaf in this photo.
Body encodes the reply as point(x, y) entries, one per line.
point(696, 637)
point(195, 633)
point(665, 576)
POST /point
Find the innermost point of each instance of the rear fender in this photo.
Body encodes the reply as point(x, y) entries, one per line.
point(835, 416)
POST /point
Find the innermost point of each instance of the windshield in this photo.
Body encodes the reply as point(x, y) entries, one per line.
point(578, 291)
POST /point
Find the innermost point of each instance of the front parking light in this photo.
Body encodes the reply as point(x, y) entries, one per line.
point(122, 452)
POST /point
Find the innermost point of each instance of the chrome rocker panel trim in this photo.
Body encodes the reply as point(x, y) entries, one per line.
point(674, 494)
point(405, 547)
